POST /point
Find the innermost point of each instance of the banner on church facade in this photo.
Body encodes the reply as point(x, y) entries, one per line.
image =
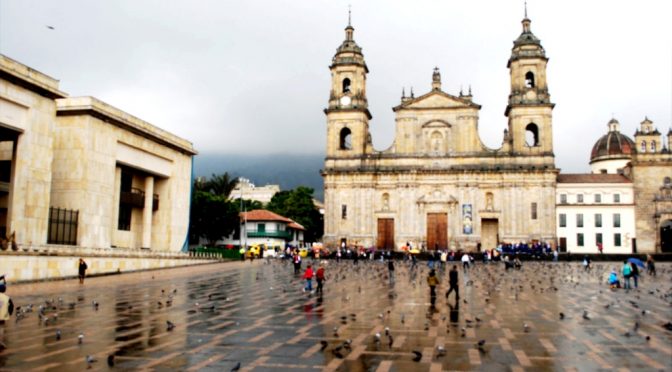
point(467, 222)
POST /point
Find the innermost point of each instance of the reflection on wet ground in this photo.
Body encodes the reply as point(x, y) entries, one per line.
point(256, 314)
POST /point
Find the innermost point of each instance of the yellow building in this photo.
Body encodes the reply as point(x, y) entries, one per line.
point(79, 172)
point(438, 186)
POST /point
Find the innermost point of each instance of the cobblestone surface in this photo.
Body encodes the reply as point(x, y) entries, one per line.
point(256, 314)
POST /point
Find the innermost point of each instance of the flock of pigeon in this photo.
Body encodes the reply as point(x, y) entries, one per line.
point(365, 294)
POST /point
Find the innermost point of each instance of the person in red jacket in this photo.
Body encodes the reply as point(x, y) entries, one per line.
point(308, 275)
point(320, 279)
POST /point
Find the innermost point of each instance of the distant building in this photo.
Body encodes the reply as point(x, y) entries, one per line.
point(248, 191)
point(265, 227)
point(79, 172)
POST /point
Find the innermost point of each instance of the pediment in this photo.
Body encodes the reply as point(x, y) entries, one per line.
point(436, 100)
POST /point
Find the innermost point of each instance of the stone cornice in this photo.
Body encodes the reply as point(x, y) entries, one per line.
point(103, 111)
point(24, 76)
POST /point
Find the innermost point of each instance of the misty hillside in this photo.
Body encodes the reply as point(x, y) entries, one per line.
point(286, 170)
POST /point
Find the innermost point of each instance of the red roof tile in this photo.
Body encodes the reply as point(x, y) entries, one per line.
point(593, 178)
point(296, 226)
point(263, 215)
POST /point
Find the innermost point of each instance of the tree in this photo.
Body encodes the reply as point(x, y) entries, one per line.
point(213, 215)
point(298, 205)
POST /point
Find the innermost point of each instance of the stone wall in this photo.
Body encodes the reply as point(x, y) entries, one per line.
point(49, 262)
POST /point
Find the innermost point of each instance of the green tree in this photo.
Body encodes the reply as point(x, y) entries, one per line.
point(298, 205)
point(213, 215)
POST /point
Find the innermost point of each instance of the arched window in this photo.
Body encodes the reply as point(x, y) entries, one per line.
point(346, 85)
point(532, 135)
point(345, 139)
point(529, 79)
point(643, 146)
point(653, 146)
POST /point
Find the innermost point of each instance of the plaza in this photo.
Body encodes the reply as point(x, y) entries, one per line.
point(256, 314)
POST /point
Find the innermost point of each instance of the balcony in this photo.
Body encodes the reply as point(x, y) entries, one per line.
point(134, 198)
point(269, 234)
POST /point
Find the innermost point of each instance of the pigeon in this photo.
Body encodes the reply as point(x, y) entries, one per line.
point(480, 344)
point(337, 351)
point(90, 360)
point(58, 334)
point(585, 315)
point(387, 331)
point(335, 331)
point(636, 327)
point(562, 316)
point(390, 341)
point(110, 360)
point(440, 350)
point(463, 332)
point(526, 328)
point(80, 338)
point(324, 345)
point(170, 325)
point(418, 356)
point(236, 367)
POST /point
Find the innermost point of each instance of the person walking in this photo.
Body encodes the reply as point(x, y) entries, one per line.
point(626, 270)
point(650, 265)
point(82, 270)
point(390, 270)
point(635, 273)
point(444, 259)
point(465, 261)
point(296, 259)
point(453, 282)
point(432, 281)
point(6, 310)
point(320, 279)
point(308, 276)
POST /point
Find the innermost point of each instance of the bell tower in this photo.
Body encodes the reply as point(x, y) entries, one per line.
point(529, 109)
point(348, 110)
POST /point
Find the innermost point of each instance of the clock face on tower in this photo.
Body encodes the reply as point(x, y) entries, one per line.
point(345, 101)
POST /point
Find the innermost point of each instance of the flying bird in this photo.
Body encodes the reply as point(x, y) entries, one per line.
point(50, 27)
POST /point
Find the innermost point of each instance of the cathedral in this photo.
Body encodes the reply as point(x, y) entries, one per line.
point(439, 187)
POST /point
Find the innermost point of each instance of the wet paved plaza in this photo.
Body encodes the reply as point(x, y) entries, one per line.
point(257, 315)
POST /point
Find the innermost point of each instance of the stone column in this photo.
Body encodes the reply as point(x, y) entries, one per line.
point(147, 213)
point(12, 182)
point(114, 220)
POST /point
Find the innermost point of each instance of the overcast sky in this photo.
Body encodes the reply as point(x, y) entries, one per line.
point(252, 76)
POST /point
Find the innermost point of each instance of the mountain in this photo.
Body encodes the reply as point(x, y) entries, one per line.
point(286, 170)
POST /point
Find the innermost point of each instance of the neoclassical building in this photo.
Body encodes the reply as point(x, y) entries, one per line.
point(438, 185)
point(77, 172)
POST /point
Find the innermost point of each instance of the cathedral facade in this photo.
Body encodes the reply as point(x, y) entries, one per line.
point(438, 186)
